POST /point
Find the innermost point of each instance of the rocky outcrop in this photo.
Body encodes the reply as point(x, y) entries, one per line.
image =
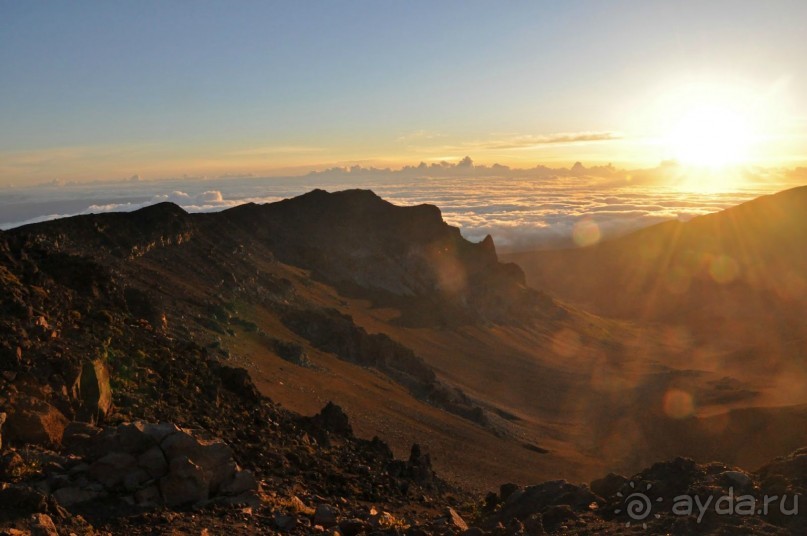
point(333, 419)
point(238, 381)
point(417, 468)
point(150, 463)
point(93, 390)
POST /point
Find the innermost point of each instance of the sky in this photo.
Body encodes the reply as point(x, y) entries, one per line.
point(96, 90)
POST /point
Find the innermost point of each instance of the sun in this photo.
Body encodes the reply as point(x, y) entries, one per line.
point(711, 135)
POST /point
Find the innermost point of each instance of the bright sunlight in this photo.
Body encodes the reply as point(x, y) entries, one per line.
point(711, 135)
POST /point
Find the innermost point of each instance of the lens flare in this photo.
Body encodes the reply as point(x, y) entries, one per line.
point(724, 269)
point(586, 232)
point(678, 404)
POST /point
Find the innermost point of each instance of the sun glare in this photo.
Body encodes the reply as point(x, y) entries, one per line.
point(711, 135)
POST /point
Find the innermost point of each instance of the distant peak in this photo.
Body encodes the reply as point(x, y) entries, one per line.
point(164, 208)
point(355, 193)
point(578, 166)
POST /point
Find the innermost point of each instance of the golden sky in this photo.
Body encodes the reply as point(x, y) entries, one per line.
point(95, 91)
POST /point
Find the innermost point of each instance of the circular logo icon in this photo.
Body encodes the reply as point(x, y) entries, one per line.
point(637, 505)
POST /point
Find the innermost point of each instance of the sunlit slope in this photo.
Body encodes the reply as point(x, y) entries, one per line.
point(723, 273)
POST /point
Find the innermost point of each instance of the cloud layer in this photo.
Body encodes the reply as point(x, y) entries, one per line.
point(522, 209)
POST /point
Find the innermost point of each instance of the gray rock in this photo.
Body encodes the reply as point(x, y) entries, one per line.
point(241, 482)
point(132, 437)
point(325, 515)
point(149, 495)
point(73, 495)
point(80, 438)
point(58, 481)
point(78, 469)
point(153, 462)
point(609, 485)
point(736, 478)
point(111, 469)
point(134, 480)
point(352, 527)
point(505, 490)
point(285, 523)
point(214, 456)
point(186, 483)
point(159, 431)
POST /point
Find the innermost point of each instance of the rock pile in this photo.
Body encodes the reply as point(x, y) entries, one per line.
point(148, 464)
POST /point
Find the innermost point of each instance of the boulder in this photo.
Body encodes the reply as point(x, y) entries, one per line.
point(159, 431)
point(214, 457)
point(68, 496)
point(42, 525)
point(505, 490)
point(736, 479)
point(609, 485)
point(80, 438)
point(133, 437)
point(111, 469)
point(325, 516)
point(241, 482)
point(185, 484)
point(333, 419)
point(153, 462)
point(419, 466)
point(556, 515)
point(135, 479)
point(285, 523)
point(352, 527)
point(149, 495)
point(239, 382)
point(36, 422)
point(536, 499)
point(23, 499)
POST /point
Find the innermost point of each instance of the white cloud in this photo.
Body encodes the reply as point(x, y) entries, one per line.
point(536, 207)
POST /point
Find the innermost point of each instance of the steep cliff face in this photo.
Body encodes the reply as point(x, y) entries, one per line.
point(357, 241)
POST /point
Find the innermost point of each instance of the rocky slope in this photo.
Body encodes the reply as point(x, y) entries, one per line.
point(123, 408)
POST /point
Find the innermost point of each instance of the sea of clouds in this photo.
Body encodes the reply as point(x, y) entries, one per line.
point(521, 209)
